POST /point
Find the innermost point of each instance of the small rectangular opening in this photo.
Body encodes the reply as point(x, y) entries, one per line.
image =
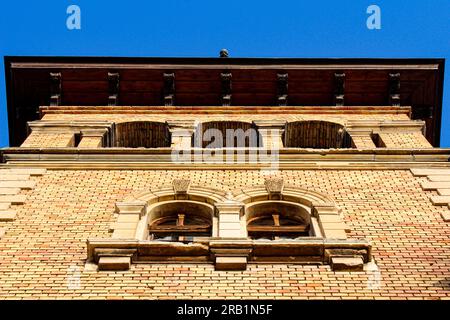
point(77, 139)
point(377, 140)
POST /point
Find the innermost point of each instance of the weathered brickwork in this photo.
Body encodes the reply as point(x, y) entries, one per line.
point(43, 252)
point(90, 142)
point(43, 139)
point(363, 141)
point(405, 140)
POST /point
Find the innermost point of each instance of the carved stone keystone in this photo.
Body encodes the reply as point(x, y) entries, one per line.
point(274, 187)
point(181, 187)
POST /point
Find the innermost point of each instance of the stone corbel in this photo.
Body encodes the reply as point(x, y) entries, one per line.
point(339, 88)
point(55, 88)
point(182, 132)
point(110, 256)
point(271, 132)
point(93, 135)
point(274, 187)
point(347, 256)
point(230, 254)
point(181, 188)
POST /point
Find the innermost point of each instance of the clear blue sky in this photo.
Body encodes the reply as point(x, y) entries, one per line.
point(409, 28)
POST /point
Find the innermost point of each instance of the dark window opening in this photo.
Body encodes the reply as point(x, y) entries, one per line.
point(275, 227)
point(377, 140)
point(77, 139)
point(316, 135)
point(180, 227)
point(142, 134)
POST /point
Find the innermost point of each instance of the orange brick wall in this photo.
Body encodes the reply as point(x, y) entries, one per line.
point(53, 140)
point(90, 142)
point(46, 244)
point(405, 140)
point(363, 142)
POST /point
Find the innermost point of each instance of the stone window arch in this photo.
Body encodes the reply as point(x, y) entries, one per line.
point(141, 134)
point(316, 134)
point(306, 228)
point(182, 221)
point(276, 220)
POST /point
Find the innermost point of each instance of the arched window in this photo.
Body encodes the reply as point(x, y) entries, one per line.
point(141, 134)
point(180, 221)
point(226, 134)
point(273, 220)
point(316, 134)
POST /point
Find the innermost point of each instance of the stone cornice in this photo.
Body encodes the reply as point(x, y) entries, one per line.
point(288, 158)
point(224, 110)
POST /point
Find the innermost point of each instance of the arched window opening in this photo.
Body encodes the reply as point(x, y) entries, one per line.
point(317, 135)
point(142, 134)
point(275, 220)
point(226, 134)
point(180, 221)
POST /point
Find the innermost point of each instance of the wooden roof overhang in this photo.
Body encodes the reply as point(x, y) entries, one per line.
point(101, 81)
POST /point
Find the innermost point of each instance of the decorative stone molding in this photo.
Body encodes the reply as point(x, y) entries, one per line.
point(100, 131)
point(330, 221)
point(169, 89)
point(55, 88)
point(181, 187)
point(130, 214)
point(282, 88)
point(93, 138)
point(274, 187)
point(229, 249)
point(113, 88)
point(229, 255)
point(377, 126)
point(271, 132)
point(229, 213)
point(181, 132)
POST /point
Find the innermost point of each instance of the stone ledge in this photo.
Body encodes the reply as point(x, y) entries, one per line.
point(9, 191)
point(13, 199)
point(18, 184)
point(343, 263)
point(23, 171)
point(440, 200)
point(446, 216)
point(13, 177)
point(7, 215)
point(231, 263)
point(224, 251)
point(114, 263)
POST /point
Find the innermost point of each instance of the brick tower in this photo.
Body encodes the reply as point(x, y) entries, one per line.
point(224, 177)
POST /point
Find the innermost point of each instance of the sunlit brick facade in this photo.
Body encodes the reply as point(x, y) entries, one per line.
point(122, 198)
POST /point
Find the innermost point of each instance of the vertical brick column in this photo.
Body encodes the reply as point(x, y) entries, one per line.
point(232, 251)
point(49, 139)
point(362, 138)
point(92, 138)
point(181, 132)
point(271, 132)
